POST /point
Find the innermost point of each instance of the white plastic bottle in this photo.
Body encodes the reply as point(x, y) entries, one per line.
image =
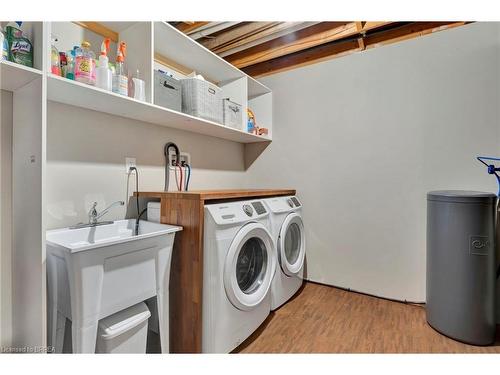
point(104, 77)
point(120, 79)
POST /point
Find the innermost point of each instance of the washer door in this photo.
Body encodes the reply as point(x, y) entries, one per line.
point(292, 245)
point(249, 267)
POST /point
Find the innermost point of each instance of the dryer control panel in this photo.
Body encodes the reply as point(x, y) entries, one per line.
point(283, 204)
point(236, 212)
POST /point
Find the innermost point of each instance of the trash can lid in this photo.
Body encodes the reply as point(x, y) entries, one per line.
point(461, 196)
point(123, 320)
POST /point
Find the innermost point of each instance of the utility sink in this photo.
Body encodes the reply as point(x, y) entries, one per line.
point(96, 271)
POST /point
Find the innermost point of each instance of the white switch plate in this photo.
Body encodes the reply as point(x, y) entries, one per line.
point(129, 162)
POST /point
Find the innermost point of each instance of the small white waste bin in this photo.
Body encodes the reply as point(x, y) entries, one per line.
point(154, 212)
point(124, 332)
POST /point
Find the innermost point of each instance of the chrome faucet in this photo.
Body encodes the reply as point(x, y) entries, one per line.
point(94, 216)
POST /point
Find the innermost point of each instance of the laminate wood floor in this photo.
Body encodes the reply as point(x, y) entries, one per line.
point(323, 319)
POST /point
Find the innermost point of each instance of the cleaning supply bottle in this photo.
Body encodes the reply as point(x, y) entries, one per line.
point(70, 60)
point(5, 46)
point(20, 48)
point(63, 60)
point(120, 79)
point(104, 77)
point(85, 64)
point(55, 63)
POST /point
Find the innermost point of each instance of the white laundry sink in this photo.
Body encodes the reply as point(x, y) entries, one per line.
point(96, 271)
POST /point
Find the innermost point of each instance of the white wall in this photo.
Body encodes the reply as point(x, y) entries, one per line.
point(5, 218)
point(86, 154)
point(364, 137)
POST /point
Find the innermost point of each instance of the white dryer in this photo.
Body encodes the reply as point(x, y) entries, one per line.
point(238, 266)
point(287, 229)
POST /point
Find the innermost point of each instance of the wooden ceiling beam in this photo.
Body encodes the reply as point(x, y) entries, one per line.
point(321, 33)
point(236, 34)
point(189, 26)
point(262, 37)
point(302, 58)
point(405, 32)
point(370, 25)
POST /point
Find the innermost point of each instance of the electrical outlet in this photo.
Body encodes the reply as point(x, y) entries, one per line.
point(129, 162)
point(172, 159)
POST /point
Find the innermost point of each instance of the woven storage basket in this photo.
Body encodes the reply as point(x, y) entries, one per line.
point(201, 99)
point(232, 114)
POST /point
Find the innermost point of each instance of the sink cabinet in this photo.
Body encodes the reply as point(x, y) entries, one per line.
point(88, 284)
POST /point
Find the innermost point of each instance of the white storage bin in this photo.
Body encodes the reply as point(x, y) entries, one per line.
point(153, 213)
point(201, 99)
point(124, 332)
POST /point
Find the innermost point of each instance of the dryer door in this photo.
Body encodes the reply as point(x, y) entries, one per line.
point(292, 245)
point(250, 266)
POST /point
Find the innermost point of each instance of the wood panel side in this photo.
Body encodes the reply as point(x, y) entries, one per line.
point(186, 275)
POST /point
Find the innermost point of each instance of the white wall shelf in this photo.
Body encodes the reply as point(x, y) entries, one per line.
point(65, 91)
point(14, 76)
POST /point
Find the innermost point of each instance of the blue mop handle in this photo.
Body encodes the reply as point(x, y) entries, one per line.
point(491, 168)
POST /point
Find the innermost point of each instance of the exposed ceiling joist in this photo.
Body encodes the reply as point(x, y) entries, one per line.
point(236, 34)
point(405, 32)
point(262, 37)
point(302, 58)
point(187, 27)
point(310, 37)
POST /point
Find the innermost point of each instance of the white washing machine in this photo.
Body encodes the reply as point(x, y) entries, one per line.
point(238, 266)
point(288, 234)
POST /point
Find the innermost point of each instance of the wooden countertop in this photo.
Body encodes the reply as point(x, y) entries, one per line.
point(206, 195)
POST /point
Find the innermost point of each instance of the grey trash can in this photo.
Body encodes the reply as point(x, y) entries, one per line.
point(461, 265)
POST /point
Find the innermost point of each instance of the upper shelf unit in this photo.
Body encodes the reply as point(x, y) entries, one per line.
point(175, 45)
point(158, 45)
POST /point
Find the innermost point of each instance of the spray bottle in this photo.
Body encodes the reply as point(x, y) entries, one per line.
point(104, 77)
point(120, 79)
